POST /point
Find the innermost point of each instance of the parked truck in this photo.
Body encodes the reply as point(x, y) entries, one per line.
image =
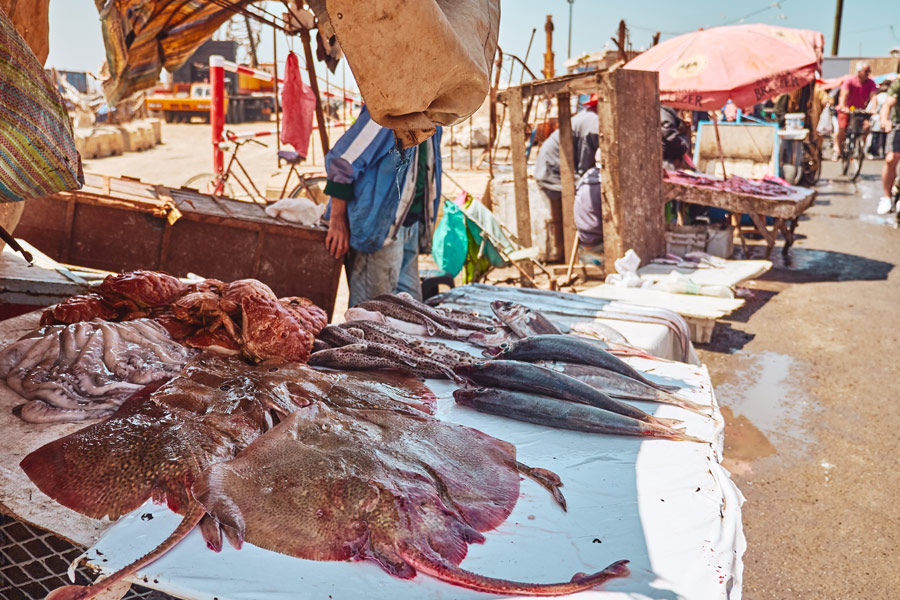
point(188, 95)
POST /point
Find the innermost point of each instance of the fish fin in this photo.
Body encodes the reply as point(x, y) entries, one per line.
point(432, 564)
point(668, 422)
point(392, 563)
point(491, 352)
point(546, 479)
point(212, 533)
point(666, 388)
point(208, 490)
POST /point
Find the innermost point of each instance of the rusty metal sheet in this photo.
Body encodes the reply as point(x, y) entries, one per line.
point(120, 224)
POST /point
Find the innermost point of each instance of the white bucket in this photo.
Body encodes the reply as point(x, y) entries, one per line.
point(794, 120)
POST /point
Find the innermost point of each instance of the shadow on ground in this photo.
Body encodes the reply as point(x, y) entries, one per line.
point(726, 339)
point(803, 265)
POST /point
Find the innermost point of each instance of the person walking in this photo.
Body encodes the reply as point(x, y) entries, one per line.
point(890, 123)
point(382, 208)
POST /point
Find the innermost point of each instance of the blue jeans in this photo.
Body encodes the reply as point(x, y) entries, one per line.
point(391, 270)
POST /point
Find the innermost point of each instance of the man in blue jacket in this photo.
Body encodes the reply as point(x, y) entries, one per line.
point(383, 202)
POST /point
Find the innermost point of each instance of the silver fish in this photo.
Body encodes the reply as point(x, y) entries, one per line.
point(456, 319)
point(372, 356)
point(524, 321)
point(552, 412)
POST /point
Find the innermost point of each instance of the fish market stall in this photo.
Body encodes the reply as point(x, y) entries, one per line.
point(668, 507)
point(758, 198)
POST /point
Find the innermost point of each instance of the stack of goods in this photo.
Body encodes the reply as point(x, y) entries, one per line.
point(241, 317)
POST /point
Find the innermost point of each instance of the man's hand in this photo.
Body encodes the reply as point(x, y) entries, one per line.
point(337, 242)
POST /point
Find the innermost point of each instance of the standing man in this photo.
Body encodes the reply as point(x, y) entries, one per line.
point(890, 123)
point(383, 202)
point(585, 139)
point(856, 92)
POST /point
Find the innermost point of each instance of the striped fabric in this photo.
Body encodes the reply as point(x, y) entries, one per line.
point(37, 150)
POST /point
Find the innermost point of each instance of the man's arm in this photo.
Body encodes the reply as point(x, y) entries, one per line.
point(337, 242)
point(842, 97)
point(886, 108)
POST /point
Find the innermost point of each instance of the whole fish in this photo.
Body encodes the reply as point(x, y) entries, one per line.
point(379, 310)
point(551, 412)
point(385, 334)
point(567, 348)
point(595, 329)
point(524, 321)
point(371, 356)
point(612, 348)
point(619, 386)
point(336, 336)
point(527, 377)
point(451, 318)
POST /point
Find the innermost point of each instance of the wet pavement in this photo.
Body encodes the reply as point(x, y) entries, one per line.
point(806, 373)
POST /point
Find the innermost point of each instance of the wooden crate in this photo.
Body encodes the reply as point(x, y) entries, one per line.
point(122, 224)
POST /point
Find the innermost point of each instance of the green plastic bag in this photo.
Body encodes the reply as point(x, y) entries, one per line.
point(450, 242)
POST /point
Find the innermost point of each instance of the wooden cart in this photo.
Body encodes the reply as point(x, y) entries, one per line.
point(121, 224)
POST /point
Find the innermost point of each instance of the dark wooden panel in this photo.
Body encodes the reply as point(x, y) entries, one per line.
point(296, 267)
point(43, 225)
point(210, 250)
point(114, 239)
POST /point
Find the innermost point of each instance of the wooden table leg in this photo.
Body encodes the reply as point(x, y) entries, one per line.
point(736, 223)
point(770, 236)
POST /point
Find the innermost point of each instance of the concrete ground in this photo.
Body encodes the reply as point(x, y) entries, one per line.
point(805, 374)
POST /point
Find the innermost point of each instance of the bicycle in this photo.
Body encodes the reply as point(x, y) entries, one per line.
point(310, 185)
point(853, 150)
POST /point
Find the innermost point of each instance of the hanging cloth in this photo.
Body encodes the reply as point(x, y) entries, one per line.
point(298, 102)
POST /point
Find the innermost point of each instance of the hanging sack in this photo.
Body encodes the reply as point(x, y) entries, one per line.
point(825, 127)
point(298, 103)
point(37, 150)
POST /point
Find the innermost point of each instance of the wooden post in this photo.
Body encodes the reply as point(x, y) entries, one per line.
point(566, 233)
point(520, 173)
point(631, 162)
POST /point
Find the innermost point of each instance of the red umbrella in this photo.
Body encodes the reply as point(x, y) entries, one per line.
point(746, 64)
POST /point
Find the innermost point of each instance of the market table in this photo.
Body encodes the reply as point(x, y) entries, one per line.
point(708, 190)
point(668, 507)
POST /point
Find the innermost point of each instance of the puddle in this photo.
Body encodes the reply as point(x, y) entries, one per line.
point(764, 408)
point(744, 443)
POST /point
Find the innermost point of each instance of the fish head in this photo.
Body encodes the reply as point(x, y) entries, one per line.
point(465, 395)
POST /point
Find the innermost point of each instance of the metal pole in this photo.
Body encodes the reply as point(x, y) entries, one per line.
point(836, 39)
point(217, 108)
point(277, 103)
point(571, 3)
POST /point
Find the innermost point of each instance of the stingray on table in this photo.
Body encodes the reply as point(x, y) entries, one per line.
point(357, 469)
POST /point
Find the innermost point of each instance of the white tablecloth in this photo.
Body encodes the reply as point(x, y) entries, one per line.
point(668, 507)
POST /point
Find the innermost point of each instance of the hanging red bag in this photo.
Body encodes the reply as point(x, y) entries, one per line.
point(297, 104)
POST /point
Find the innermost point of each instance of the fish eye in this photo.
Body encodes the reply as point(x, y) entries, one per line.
point(490, 329)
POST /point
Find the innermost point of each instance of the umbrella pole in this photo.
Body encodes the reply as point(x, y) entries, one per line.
point(719, 146)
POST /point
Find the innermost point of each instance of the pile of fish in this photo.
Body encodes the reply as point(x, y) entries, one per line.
point(241, 317)
point(86, 370)
point(565, 382)
point(575, 383)
point(571, 313)
point(356, 468)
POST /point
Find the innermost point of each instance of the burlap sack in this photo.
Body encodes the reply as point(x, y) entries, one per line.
point(418, 62)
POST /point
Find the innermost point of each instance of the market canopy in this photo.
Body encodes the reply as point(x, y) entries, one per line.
point(746, 64)
point(143, 37)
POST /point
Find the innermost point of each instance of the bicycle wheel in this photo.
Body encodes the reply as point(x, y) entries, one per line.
point(314, 189)
point(845, 154)
point(859, 155)
point(204, 183)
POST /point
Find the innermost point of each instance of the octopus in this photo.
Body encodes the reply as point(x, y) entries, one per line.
point(86, 370)
point(356, 469)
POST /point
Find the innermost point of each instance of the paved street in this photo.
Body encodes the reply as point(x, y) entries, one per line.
point(807, 376)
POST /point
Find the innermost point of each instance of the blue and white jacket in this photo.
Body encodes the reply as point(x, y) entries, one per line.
point(367, 170)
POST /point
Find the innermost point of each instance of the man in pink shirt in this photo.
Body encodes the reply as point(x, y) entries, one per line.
point(856, 92)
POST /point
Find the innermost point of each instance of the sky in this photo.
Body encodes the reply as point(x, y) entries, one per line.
point(870, 27)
